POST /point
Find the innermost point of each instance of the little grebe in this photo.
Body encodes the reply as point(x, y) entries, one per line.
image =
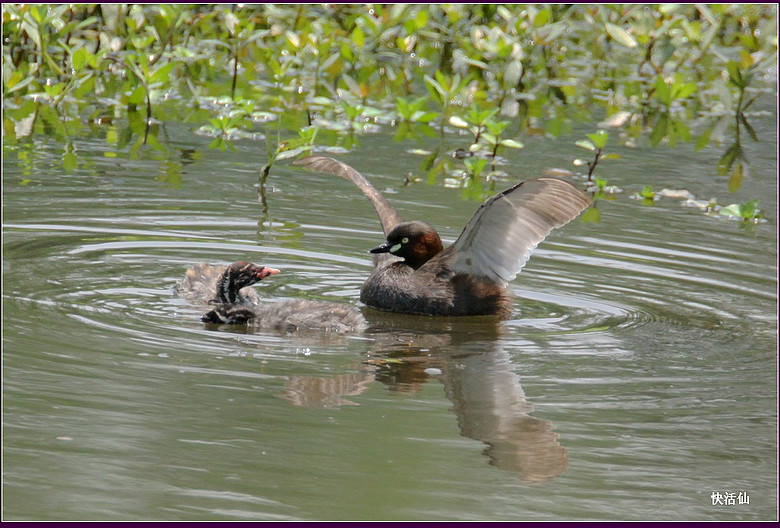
point(207, 284)
point(223, 286)
point(469, 277)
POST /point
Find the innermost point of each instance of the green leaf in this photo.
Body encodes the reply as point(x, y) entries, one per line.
point(434, 88)
point(421, 18)
point(38, 13)
point(286, 154)
point(730, 210)
point(162, 73)
point(352, 84)
point(749, 209)
point(663, 91)
point(660, 130)
point(79, 58)
point(293, 38)
point(542, 17)
point(511, 143)
point(647, 193)
point(14, 84)
point(358, 37)
point(621, 35)
point(735, 74)
point(545, 35)
point(137, 96)
point(584, 143)
point(599, 139)
point(231, 21)
point(685, 90)
point(424, 117)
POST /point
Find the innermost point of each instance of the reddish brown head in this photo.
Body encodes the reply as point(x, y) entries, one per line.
point(416, 242)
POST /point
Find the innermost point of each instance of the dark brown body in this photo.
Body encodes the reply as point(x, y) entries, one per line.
point(397, 287)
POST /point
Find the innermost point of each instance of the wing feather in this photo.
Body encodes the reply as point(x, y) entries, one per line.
point(502, 234)
point(388, 216)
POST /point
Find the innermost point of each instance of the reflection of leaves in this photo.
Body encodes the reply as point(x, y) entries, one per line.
point(475, 165)
point(733, 161)
point(736, 77)
point(592, 214)
point(746, 124)
point(728, 158)
point(741, 169)
point(659, 130)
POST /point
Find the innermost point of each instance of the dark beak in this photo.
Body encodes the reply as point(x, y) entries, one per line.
point(384, 248)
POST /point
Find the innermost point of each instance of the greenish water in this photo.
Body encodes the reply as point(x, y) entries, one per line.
point(638, 377)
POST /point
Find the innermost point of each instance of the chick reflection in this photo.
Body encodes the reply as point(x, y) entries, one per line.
point(486, 394)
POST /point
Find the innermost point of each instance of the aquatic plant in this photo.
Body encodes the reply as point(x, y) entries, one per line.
point(655, 75)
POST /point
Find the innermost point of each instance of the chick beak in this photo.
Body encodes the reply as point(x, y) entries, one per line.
point(265, 272)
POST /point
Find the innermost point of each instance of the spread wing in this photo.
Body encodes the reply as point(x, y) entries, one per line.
point(502, 234)
point(388, 216)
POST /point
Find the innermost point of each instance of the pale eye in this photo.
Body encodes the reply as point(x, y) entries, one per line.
point(404, 240)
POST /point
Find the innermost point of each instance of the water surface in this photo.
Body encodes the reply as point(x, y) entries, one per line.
point(637, 377)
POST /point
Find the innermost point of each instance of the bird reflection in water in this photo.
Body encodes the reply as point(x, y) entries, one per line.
point(478, 378)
